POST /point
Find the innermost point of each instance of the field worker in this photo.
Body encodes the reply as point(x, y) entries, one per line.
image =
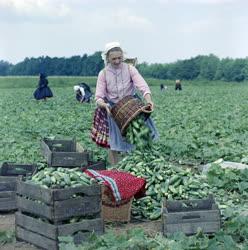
point(79, 93)
point(178, 85)
point(43, 91)
point(115, 81)
point(83, 92)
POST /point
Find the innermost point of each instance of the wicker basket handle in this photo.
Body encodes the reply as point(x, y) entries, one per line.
point(146, 109)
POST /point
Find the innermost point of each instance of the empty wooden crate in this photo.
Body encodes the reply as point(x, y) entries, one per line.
point(64, 153)
point(8, 177)
point(188, 216)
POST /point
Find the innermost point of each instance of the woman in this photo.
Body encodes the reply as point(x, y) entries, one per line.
point(43, 91)
point(114, 82)
point(178, 85)
point(83, 92)
point(80, 93)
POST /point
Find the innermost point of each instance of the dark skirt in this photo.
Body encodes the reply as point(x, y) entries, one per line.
point(41, 93)
point(86, 97)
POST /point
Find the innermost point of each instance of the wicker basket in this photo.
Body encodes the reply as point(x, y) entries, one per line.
point(112, 211)
point(124, 111)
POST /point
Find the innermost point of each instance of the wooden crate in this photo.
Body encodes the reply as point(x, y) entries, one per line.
point(57, 206)
point(7, 193)
point(15, 169)
point(188, 215)
point(8, 177)
point(64, 153)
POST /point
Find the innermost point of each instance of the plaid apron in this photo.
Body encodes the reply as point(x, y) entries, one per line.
point(100, 128)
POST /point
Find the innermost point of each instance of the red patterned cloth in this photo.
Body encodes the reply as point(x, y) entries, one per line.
point(122, 184)
point(100, 128)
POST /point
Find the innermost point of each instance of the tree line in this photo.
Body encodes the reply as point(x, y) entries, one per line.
point(60, 66)
point(208, 67)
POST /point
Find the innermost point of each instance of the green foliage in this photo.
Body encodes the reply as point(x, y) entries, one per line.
point(73, 66)
point(198, 125)
point(232, 180)
point(6, 237)
point(200, 67)
point(4, 68)
point(137, 239)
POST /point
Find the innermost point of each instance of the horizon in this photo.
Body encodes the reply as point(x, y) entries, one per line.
point(137, 58)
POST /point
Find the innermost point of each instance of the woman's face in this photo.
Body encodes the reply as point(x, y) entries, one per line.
point(115, 58)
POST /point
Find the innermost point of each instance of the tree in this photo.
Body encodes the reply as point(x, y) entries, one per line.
point(238, 70)
point(208, 67)
point(4, 68)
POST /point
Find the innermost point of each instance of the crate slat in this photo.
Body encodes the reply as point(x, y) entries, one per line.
point(209, 215)
point(34, 191)
point(188, 205)
point(64, 156)
point(30, 206)
point(8, 178)
point(8, 204)
point(67, 159)
point(95, 225)
point(15, 169)
point(61, 145)
point(7, 186)
point(191, 228)
point(7, 194)
point(80, 206)
point(35, 225)
point(36, 239)
point(63, 194)
point(50, 195)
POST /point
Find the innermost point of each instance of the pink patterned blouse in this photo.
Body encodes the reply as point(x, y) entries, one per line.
point(114, 84)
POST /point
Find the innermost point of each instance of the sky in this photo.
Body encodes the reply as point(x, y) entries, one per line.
point(154, 31)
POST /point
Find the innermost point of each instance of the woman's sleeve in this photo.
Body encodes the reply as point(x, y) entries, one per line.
point(100, 86)
point(139, 81)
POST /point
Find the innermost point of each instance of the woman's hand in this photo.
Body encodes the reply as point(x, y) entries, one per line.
point(105, 105)
point(151, 104)
point(149, 101)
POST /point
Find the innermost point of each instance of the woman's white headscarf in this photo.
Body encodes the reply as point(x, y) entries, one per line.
point(76, 88)
point(108, 47)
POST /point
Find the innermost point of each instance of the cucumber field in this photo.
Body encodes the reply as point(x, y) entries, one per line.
point(204, 122)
